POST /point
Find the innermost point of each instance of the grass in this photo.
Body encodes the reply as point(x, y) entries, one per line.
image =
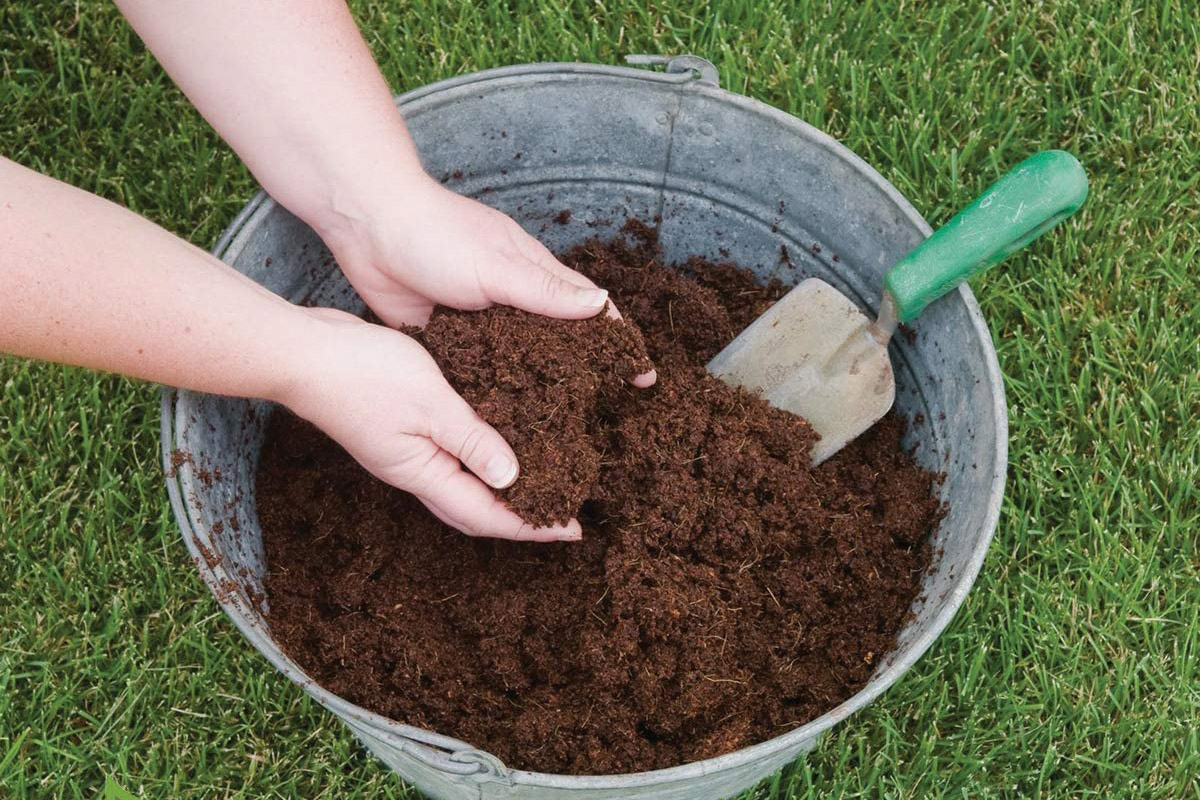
point(1073, 670)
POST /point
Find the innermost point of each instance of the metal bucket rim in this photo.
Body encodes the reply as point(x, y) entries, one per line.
point(178, 485)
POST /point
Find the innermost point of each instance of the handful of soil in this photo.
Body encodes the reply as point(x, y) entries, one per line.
point(539, 381)
point(724, 591)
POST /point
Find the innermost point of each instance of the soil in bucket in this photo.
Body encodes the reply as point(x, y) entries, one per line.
point(724, 591)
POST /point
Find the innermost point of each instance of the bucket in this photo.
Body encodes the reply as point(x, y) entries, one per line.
point(731, 179)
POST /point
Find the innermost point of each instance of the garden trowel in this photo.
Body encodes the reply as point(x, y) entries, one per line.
point(815, 354)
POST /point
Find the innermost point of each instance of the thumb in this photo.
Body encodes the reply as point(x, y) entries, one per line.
point(461, 432)
point(531, 287)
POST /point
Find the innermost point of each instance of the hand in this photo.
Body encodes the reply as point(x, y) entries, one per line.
point(417, 244)
point(382, 397)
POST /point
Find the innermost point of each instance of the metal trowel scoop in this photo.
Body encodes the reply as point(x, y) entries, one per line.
point(814, 353)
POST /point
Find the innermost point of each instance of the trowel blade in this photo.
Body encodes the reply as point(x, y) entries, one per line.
point(812, 354)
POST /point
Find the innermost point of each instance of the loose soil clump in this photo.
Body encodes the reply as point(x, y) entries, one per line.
point(723, 593)
point(541, 383)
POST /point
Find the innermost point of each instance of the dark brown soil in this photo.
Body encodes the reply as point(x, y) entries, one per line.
point(539, 382)
point(723, 592)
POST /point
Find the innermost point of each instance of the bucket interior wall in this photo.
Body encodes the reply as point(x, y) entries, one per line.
point(729, 179)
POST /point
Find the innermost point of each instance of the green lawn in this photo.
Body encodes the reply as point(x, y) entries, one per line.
point(1074, 667)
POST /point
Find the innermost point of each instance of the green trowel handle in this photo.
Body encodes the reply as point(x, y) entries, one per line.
point(1032, 198)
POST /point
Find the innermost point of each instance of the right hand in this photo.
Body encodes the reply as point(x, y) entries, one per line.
point(408, 244)
point(382, 397)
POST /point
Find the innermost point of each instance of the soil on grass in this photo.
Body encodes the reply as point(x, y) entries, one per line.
point(723, 593)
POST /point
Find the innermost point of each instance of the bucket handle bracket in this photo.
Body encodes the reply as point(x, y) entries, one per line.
point(700, 69)
point(490, 767)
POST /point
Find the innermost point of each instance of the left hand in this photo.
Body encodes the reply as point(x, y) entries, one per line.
point(382, 397)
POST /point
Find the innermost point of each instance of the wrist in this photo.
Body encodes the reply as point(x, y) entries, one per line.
point(307, 357)
point(351, 195)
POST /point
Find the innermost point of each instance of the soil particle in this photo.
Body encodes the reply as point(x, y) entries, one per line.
point(723, 593)
point(178, 459)
point(563, 217)
point(211, 558)
point(208, 477)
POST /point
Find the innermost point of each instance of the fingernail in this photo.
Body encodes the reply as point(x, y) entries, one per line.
point(646, 379)
point(500, 472)
point(593, 298)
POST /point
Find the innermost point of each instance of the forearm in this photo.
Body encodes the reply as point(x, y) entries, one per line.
point(89, 283)
point(291, 85)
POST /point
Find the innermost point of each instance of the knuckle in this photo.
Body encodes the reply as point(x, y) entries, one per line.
point(552, 287)
point(472, 444)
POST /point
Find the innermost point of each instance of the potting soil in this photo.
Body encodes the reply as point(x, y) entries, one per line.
point(724, 592)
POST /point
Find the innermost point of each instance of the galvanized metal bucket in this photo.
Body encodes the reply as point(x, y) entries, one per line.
point(730, 178)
